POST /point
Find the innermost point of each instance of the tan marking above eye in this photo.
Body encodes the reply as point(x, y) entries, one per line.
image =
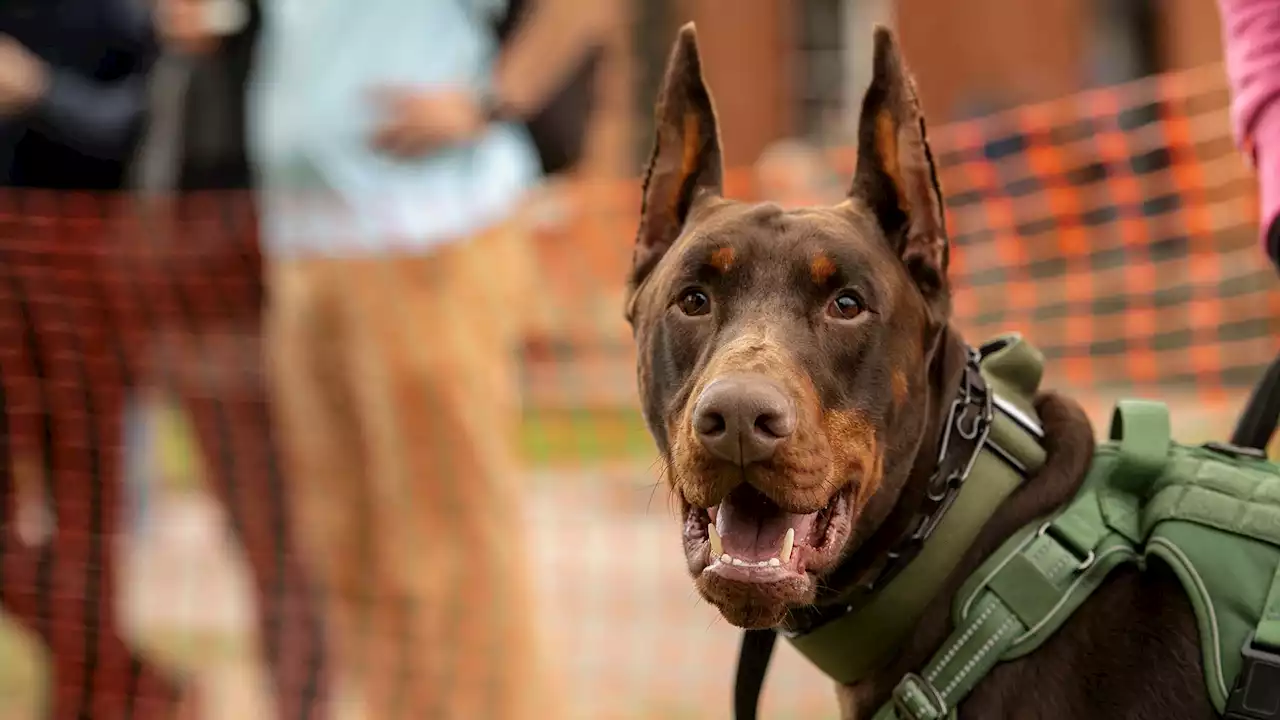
point(722, 259)
point(821, 268)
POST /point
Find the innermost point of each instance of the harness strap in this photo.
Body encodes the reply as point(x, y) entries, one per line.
point(1024, 592)
point(998, 442)
point(1268, 631)
point(1031, 591)
point(1256, 695)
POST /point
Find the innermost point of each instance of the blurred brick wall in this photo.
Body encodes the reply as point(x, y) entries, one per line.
point(1189, 33)
point(997, 52)
point(1006, 52)
point(747, 51)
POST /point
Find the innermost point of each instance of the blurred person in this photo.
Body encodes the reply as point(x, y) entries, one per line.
point(1251, 38)
point(72, 91)
point(394, 144)
point(194, 171)
point(72, 107)
point(197, 139)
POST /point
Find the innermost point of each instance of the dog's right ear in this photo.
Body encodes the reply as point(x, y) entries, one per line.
point(685, 165)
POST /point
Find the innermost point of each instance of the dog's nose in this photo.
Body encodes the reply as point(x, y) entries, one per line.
point(743, 418)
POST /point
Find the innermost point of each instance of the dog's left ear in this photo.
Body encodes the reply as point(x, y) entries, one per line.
point(896, 176)
point(685, 166)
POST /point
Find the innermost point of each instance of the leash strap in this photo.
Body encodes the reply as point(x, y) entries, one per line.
point(753, 664)
point(1258, 421)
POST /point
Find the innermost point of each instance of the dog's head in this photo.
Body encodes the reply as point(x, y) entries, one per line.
point(784, 355)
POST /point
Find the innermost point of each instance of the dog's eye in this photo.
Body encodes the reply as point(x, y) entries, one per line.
point(846, 306)
point(694, 302)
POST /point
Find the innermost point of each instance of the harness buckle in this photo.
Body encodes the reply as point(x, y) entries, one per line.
point(917, 699)
point(1256, 695)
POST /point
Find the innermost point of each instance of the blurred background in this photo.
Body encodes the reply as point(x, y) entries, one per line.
point(1097, 205)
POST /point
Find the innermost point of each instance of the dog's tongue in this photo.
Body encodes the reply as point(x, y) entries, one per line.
point(754, 529)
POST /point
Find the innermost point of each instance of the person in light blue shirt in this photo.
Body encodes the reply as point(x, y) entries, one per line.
point(392, 157)
point(332, 78)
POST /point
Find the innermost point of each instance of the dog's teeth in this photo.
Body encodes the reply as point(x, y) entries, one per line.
point(788, 542)
point(739, 561)
point(717, 548)
point(726, 559)
point(774, 562)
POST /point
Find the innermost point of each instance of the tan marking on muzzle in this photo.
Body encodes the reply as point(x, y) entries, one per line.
point(855, 451)
point(899, 384)
point(755, 350)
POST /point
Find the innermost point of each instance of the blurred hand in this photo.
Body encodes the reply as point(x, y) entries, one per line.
point(184, 26)
point(23, 77)
point(416, 122)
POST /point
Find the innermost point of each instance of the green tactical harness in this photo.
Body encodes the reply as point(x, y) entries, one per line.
point(1211, 513)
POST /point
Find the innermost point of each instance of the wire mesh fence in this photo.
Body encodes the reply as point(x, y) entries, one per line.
point(147, 555)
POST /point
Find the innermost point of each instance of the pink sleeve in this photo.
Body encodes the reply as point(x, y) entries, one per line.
point(1251, 38)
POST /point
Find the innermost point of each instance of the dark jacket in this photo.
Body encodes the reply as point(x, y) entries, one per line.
point(213, 153)
point(82, 135)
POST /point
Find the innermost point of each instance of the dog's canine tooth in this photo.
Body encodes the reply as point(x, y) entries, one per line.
point(788, 542)
point(717, 548)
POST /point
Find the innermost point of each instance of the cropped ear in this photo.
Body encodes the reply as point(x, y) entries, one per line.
point(685, 165)
point(896, 176)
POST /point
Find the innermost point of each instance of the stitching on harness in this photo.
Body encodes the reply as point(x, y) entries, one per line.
point(1057, 567)
point(1008, 624)
point(1215, 656)
point(964, 638)
point(1070, 590)
point(968, 603)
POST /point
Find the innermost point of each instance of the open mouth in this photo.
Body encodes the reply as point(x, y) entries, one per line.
point(749, 538)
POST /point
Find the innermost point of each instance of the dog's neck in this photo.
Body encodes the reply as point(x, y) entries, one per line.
point(1068, 444)
point(910, 461)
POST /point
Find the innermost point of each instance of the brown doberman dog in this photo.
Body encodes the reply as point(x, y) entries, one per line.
point(795, 370)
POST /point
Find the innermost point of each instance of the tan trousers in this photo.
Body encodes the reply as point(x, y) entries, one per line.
point(396, 389)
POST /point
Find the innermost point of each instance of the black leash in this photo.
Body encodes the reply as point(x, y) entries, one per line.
point(1258, 421)
point(753, 663)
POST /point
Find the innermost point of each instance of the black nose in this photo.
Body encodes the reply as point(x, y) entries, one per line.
point(743, 418)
